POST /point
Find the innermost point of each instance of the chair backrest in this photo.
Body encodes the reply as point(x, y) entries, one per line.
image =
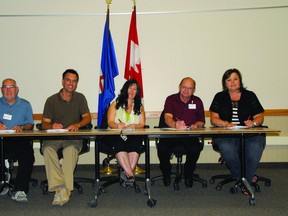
point(105, 120)
point(162, 123)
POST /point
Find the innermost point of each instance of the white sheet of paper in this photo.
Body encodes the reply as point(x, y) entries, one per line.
point(7, 131)
point(238, 127)
point(56, 130)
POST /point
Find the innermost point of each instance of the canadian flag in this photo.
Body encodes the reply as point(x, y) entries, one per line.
point(133, 64)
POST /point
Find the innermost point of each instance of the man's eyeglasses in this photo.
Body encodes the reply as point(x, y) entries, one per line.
point(187, 88)
point(8, 87)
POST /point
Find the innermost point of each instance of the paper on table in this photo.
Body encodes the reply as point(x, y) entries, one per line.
point(238, 127)
point(56, 130)
point(7, 131)
point(168, 128)
point(128, 129)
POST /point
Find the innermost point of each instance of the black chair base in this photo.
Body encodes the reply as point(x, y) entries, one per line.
point(77, 186)
point(178, 178)
point(115, 179)
point(226, 178)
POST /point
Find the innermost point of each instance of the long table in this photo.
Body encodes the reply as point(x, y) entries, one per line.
point(148, 134)
point(211, 132)
point(93, 134)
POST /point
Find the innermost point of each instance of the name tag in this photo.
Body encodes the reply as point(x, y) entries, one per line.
point(191, 106)
point(7, 116)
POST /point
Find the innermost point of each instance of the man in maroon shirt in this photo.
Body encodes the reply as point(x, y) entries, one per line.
point(182, 110)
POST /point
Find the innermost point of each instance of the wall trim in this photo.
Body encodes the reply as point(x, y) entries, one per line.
point(156, 114)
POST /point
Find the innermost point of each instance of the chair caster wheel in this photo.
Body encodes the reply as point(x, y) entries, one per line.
point(10, 193)
point(137, 189)
point(44, 191)
point(268, 183)
point(218, 187)
point(151, 203)
point(257, 188)
point(80, 191)
point(212, 181)
point(252, 202)
point(93, 203)
point(101, 190)
point(234, 190)
point(34, 184)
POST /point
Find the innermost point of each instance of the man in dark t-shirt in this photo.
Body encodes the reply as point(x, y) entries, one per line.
point(67, 110)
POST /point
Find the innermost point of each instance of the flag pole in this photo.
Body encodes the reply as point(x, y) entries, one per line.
point(137, 169)
point(108, 2)
point(134, 2)
point(107, 169)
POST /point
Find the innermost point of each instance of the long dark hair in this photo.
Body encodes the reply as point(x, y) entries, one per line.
point(227, 74)
point(122, 99)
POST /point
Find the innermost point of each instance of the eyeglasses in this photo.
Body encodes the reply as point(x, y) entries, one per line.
point(8, 87)
point(187, 88)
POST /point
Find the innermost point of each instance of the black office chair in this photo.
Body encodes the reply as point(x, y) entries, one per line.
point(12, 159)
point(178, 152)
point(77, 180)
point(227, 178)
point(33, 181)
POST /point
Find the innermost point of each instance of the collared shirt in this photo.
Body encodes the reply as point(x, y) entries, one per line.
point(190, 112)
point(19, 113)
point(64, 112)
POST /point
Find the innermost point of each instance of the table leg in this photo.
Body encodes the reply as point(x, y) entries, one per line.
point(93, 202)
point(244, 181)
point(150, 202)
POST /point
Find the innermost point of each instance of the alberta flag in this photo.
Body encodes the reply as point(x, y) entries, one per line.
point(133, 64)
point(109, 70)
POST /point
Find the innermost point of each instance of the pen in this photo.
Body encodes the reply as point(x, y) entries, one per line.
point(119, 120)
point(248, 117)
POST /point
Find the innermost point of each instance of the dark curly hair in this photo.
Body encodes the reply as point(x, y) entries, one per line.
point(122, 99)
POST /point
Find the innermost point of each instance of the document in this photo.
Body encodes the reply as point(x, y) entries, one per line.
point(56, 130)
point(168, 128)
point(7, 131)
point(128, 129)
point(238, 127)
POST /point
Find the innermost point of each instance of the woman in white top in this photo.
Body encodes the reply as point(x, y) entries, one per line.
point(124, 113)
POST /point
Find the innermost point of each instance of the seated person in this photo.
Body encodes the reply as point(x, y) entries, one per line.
point(69, 110)
point(182, 110)
point(16, 114)
point(127, 112)
point(237, 106)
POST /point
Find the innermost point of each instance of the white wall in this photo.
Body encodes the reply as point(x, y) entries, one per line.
point(40, 39)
